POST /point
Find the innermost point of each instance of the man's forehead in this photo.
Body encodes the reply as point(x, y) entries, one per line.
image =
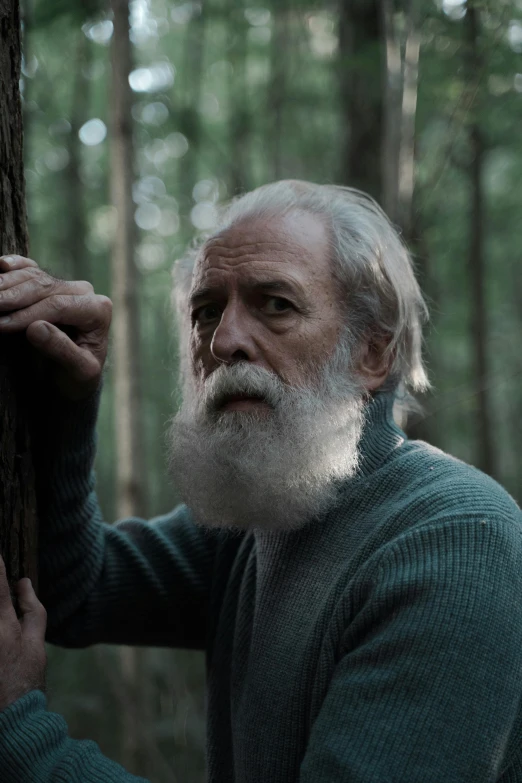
point(287, 240)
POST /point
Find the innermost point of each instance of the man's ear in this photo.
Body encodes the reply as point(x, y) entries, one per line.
point(374, 363)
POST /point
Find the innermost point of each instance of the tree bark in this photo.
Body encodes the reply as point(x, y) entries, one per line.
point(361, 46)
point(477, 262)
point(18, 528)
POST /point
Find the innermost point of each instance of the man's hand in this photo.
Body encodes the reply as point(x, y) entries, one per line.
point(23, 658)
point(35, 302)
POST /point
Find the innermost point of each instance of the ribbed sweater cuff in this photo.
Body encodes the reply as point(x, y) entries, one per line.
point(65, 451)
point(31, 740)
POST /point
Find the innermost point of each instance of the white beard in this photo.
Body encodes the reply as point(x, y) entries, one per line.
point(275, 469)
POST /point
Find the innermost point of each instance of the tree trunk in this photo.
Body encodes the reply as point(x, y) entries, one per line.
point(126, 331)
point(130, 491)
point(18, 528)
point(477, 266)
point(392, 104)
point(401, 72)
point(361, 95)
point(239, 110)
point(76, 249)
point(190, 121)
point(410, 85)
point(276, 89)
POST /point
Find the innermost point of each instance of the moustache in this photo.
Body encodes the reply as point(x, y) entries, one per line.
point(242, 380)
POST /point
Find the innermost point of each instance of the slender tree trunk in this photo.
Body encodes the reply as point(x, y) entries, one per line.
point(392, 104)
point(239, 110)
point(401, 73)
point(190, 114)
point(277, 85)
point(410, 80)
point(361, 52)
point(77, 225)
point(477, 261)
point(126, 348)
point(18, 527)
point(126, 339)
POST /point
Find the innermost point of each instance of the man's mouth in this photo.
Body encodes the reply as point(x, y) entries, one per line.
point(241, 402)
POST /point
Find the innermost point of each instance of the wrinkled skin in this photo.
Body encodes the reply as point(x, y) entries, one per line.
point(22, 642)
point(264, 292)
point(33, 301)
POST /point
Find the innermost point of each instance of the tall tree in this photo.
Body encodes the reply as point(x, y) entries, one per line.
point(277, 84)
point(400, 85)
point(190, 119)
point(130, 491)
point(239, 110)
point(361, 45)
point(18, 531)
point(477, 228)
point(126, 331)
point(77, 223)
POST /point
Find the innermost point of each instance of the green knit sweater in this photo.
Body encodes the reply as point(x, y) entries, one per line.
point(380, 644)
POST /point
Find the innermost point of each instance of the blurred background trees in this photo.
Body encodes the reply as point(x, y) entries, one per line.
point(419, 103)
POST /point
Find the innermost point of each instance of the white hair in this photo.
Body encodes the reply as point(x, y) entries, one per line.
point(273, 471)
point(370, 261)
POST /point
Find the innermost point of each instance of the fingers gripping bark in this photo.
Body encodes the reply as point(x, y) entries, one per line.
point(64, 320)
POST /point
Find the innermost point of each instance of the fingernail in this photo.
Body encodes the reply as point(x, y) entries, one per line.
point(8, 259)
point(42, 331)
point(5, 320)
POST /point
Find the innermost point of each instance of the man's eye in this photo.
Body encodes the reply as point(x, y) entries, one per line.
point(206, 314)
point(275, 305)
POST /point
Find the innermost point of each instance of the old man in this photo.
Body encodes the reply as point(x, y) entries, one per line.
point(358, 595)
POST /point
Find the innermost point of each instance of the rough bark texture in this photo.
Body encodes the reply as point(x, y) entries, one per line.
point(18, 530)
point(361, 47)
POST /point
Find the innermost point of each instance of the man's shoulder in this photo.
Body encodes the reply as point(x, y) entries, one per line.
point(431, 484)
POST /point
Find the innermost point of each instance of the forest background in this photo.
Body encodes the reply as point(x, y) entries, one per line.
point(417, 102)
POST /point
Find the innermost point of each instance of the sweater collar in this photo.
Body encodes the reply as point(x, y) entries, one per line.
point(381, 435)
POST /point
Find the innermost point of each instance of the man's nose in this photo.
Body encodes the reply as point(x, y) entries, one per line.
point(233, 339)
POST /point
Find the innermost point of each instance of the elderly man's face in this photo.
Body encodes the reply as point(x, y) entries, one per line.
point(263, 292)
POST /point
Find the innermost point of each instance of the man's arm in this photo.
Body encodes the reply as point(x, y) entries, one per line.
point(136, 582)
point(429, 679)
point(35, 748)
point(34, 744)
point(139, 582)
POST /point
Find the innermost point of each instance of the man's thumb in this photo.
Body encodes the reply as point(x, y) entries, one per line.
point(34, 616)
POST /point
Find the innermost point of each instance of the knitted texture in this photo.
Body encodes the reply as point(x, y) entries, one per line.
point(381, 643)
